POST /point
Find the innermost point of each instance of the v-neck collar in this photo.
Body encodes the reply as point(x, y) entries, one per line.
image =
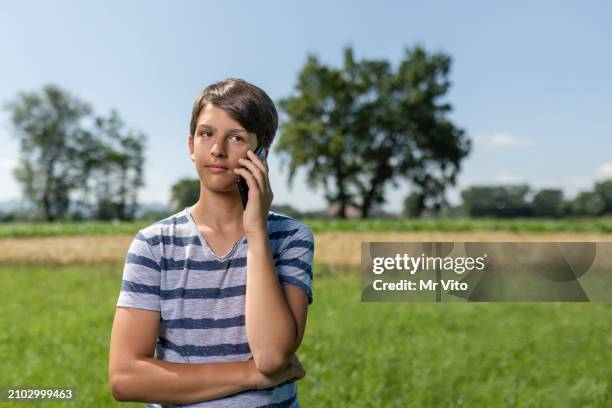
point(194, 226)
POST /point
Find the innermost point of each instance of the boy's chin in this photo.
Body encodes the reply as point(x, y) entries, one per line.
point(222, 188)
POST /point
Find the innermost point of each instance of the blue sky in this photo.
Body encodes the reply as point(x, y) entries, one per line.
point(531, 80)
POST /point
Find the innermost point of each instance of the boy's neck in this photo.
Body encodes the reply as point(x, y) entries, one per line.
point(220, 213)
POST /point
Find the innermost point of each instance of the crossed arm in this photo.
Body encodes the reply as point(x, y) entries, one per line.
point(275, 317)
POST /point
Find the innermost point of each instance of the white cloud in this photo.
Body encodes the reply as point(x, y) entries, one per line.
point(499, 140)
point(605, 170)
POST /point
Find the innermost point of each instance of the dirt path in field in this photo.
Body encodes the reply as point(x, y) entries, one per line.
point(65, 250)
point(334, 248)
point(344, 249)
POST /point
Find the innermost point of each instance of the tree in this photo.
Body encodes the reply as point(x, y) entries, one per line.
point(604, 190)
point(497, 201)
point(588, 203)
point(48, 126)
point(185, 192)
point(548, 203)
point(359, 127)
point(116, 167)
point(66, 163)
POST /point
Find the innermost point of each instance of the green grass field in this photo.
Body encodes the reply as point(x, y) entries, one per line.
point(56, 326)
point(596, 225)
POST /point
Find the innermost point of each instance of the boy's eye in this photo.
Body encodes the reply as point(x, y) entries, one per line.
point(235, 137)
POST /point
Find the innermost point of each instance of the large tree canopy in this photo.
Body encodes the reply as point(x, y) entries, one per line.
point(360, 127)
point(71, 159)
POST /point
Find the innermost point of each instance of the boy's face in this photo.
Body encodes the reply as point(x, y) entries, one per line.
point(221, 141)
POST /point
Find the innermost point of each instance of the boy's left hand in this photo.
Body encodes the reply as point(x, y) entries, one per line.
point(255, 217)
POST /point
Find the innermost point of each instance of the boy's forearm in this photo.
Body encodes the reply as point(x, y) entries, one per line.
point(271, 328)
point(158, 381)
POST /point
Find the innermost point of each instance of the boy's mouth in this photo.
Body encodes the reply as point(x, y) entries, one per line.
point(216, 166)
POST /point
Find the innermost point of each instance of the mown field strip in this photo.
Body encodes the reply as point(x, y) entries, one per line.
point(332, 248)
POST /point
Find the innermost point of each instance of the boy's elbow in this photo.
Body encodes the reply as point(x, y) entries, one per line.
point(271, 363)
point(119, 387)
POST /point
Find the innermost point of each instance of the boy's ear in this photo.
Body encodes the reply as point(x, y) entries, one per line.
point(190, 143)
point(190, 146)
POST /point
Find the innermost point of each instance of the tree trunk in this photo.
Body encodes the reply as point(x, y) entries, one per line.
point(341, 197)
point(366, 204)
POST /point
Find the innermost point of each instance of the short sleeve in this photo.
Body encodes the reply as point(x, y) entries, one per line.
point(294, 263)
point(140, 286)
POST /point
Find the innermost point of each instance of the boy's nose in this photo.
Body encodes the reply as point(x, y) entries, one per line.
point(217, 150)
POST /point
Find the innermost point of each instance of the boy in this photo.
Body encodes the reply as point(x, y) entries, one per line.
point(218, 291)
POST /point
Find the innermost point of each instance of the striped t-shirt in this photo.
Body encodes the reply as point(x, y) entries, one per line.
point(201, 296)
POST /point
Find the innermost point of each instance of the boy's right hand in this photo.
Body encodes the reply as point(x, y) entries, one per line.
point(294, 370)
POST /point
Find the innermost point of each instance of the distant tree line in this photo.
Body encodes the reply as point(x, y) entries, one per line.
point(494, 201)
point(510, 201)
point(74, 164)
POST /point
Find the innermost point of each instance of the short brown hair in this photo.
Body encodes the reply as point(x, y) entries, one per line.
point(245, 103)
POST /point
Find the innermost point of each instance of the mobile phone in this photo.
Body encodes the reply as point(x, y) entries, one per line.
point(241, 182)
